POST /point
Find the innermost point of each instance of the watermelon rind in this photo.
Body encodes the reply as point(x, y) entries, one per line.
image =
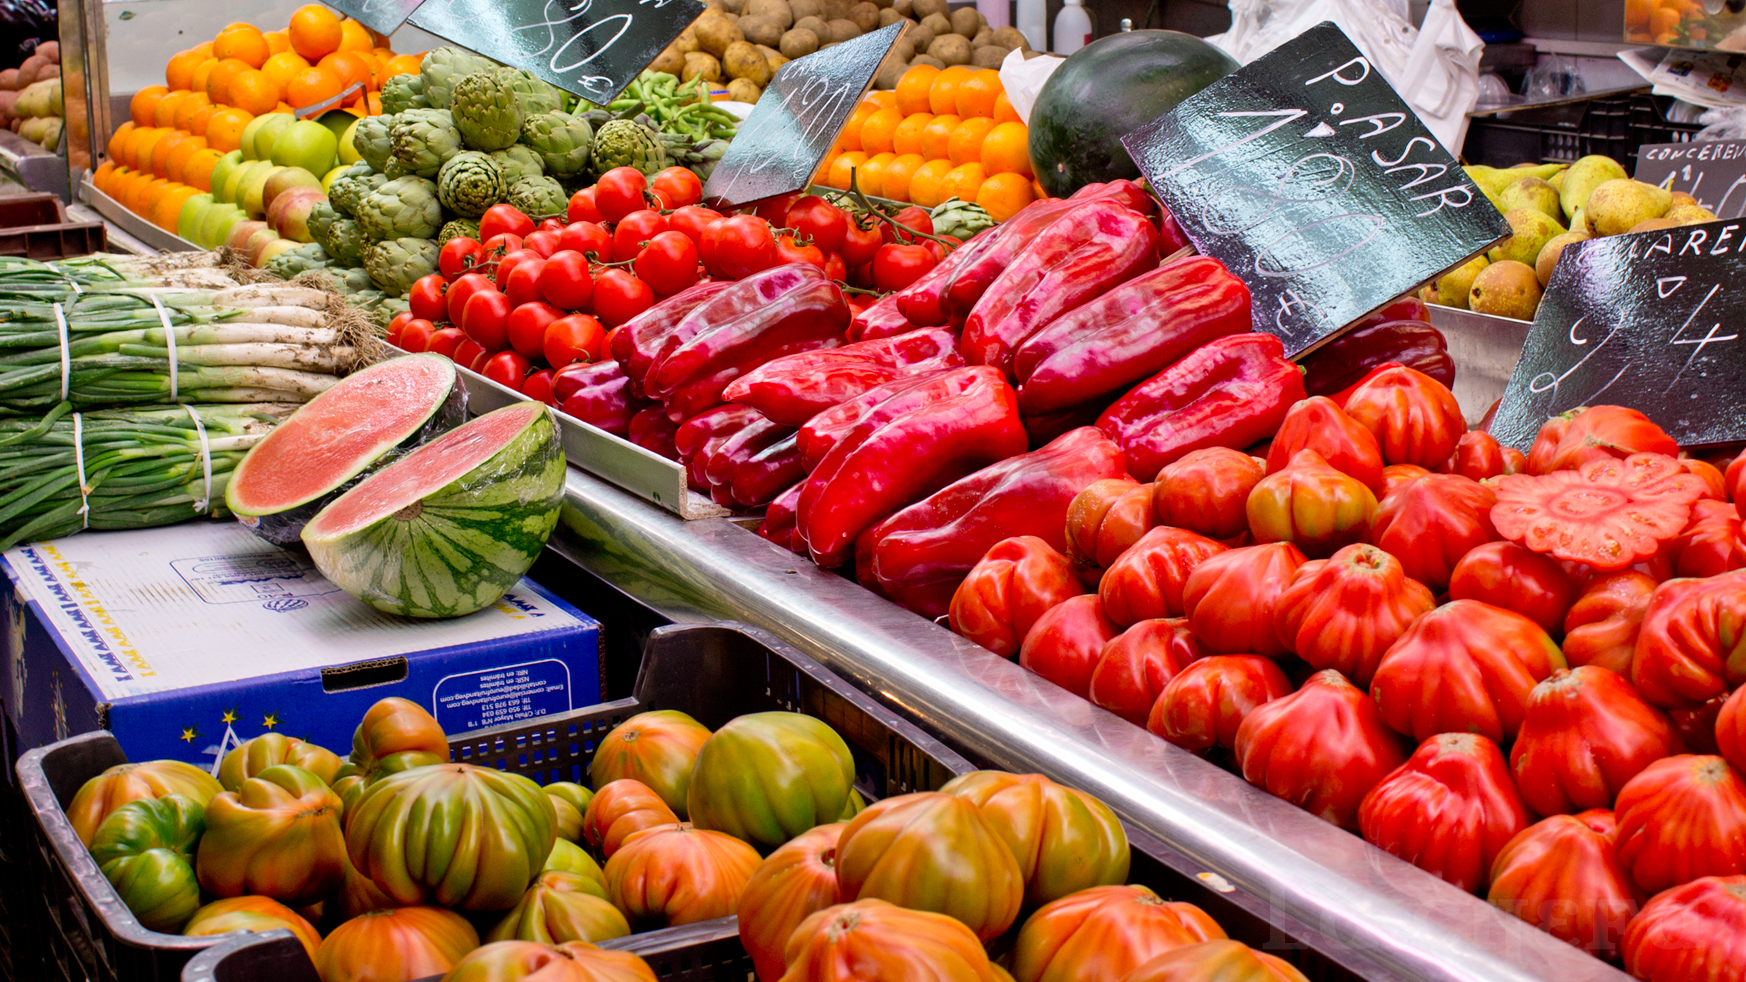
point(281, 521)
point(454, 550)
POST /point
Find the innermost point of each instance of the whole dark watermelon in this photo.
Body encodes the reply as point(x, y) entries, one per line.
point(1107, 89)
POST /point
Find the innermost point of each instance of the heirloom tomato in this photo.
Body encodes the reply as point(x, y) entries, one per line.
point(1603, 432)
point(1133, 668)
point(657, 748)
point(1064, 840)
point(571, 800)
point(1681, 818)
point(1607, 513)
point(1318, 423)
point(1216, 961)
point(796, 881)
point(358, 894)
point(1207, 492)
point(1478, 456)
point(767, 777)
point(932, 851)
point(123, 783)
point(1105, 933)
point(1106, 518)
point(1397, 476)
point(1564, 877)
point(562, 906)
point(1601, 627)
point(1322, 748)
point(1206, 703)
point(1345, 612)
point(1449, 810)
point(1693, 933)
point(568, 857)
point(676, 874)
point(1715, 484)
point(1430, 523)
point(1146, 581)
point(396, 734)
point(1064, 644)
point(252, 914)
point(1506, 575)
point(1692, 645)
point(620, 810)
point(278, 835)
point(872, 939)
point(1711, 543)
point(397, 943)
point(1311, 505)
point(1230, 598)
point(256, 755)
point(1585, 734)
point(1008, 589)
point(145, 849)
point(1414, 417)
point(1731, 730)
point(572, 961)
point(1466, 667)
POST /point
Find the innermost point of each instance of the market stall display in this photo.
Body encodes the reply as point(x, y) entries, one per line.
point(30, 97)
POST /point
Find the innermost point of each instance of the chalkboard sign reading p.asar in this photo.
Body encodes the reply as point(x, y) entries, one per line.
point(1308, 176)
point(1652, 321)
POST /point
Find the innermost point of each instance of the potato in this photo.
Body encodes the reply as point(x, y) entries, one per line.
point(701, 64)
point(799, 42)
point(882, 4)
point(671, 60)
point(775, 59)
point(686, 42)
point(803, 9)
point(836, 9)
point(865, 16)
point(904, 49)
point(963, 21)
point(9, 80)
point(715, 32)
point(937, 24)
point(761, 30)
point(905, 7)
point(980, 38)
point(926, 60)
point(816, 25)
point(890, 73)
point(920, 36)
point(776, 10)
point(926, 7)
point(27, 71)
point(744, 60)
point(734, 6)
point(987, 56)
point(844, 29)
point(1008, 38)
point(951, 49)
point(888, 17)
point(742, 90)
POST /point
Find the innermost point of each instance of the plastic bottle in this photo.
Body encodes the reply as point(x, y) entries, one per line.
point(1072, 28)
point(1033, 23)
point(995, 10)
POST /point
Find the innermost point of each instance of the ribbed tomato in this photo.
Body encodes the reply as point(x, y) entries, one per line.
point(358, 894)
point(278, 835)
point(1105, 518)
point(1206, 703)
point(1318, 423)
point(1207, 492)
point(252, 914)
point(1012, 585)
point(932, 851)
point(1103, 933)
point(676, 874)
point(1466, 667)
point(1692, 933)
point(1478, 456)
point(620, 810)
point(568, 857)
point(1586, 733)
point(767, 777)
point(1230, 598)
point(1146, 581)
point(657, 748)
point(1345, 612)
point(1430, 523)
point(1593, 434)
point(562, 906)
point(1134, 667)
point(396, 734)
point(872, 939)
point(1516, 578)
point(1414, 417)
point(572, 961)
point(398, 943)
point(1731, 730)
point(1064, 840)
point(145, 849)
point(1601, 627)
point(796, 881)
point(1066, 642)
point(1311, 505)
point(1216, 961)
point(1681, 818)
point(256, 755)
point(1564, 877)
point(571, 800)
point(1711, 543)
point(1397, 476)
point(1692, 645)
point(1449, 810)
point(123, 783)
point(1322, 748)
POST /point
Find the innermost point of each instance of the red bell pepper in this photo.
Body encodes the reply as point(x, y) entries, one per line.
point(779, 521)
point(636, 343)
point(881, 318)
point(923, 552)
point(698, 437)
point(795, 388)
point(821, 433)
point(1130, 333)
point(597, 394)
point(653, 431)
point(1336, 368)
point(1230, 393)
point(770, 470)
point(905, 449)
point(742, 445)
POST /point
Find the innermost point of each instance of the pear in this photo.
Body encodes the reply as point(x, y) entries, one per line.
point(1614, 206)
point(1505, 289)
point(1452, 286)
point(1494, 180)
point(1549, 253)
point(1532, 192)
point(1583, 177)
point(1491, 196)
point(1683, 198)
point(1530, 230)
point(1689, 214)
point(1579, 223)
point(1652, 224)
point(1557, 182)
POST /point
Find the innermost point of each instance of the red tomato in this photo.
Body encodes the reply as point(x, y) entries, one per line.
point(1590, 434)
point(815, 218)
point(1690, 933)
point(485, 318)
point(835, 269)
point(913, 218)
point(620, 192)
point(584, 238)
point(1449, 810)
point(693, 220)
point(553, 224)
point(499, 246)
point(677, 187)
point(1681, 818)
point(1431, 522)
point(415, 335)
point(1205, 704)
point(1207, 492)
point(1281, 748)
point(775, 210)
point(1230, 598)
point(445, 341)
point(739, 246)
point(575, 338)
point(1107, 517)
point(1564, 877)
point(1601, 627)
point(469, 352)
point(582, 207)
point(860, 244)
point(938, 249)
point(507, 264)
point(1011, 586)
point(500, 219)
point(1312, 506)
point(1345, 613)
point(1414, 417)
point(862, 276)
point(668, 263)
point(1065, 642)
point(544, 242)
point(566, 282)
point(897, 266)
point(523, 283)
point(459, 255)
point(1133, 669)
point(507, 368)
point(1145, 582)
point(538, 387)
point(790, 251)
point(1319, 424)
point(462, 289)
point(619, 296)
point(1513, 577)
point(526, 328)
point(634, 231)
point(426, 297)
point(1586, 734)
point(395, 326)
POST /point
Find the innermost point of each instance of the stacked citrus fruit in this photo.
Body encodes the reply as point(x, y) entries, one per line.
point(943, 133)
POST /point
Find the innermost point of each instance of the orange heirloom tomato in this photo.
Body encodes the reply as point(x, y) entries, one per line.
point(796, 881)
point(1692, 645)
point(1106, 518)
point(1216, 961)
point(123, 783)
point(1311, 505)
point(1104, 933)
point(676, 874)
point(1430, 523)
point(1449, 810)
point(931, 851)
point(1681, 818)
point(1396, 476)
point(1318, 423)
point(254, 756)
point(1134, 668)
point(251, 914)
point(396, 734)
point(872, 939)
point(1345, 612)
point(1414, 417)
point(1691, 933)
point(1014, 584)
point(1601, 627)
point(562, 906)
point(764, 778)
point(1230, 598)
point(1586, 733)
point(1064, 840)
point(1146, 581)
point(1563, 876)
point(278, 835)
point(399, 943)
point(1206, 703)
point(1321, 748)
point(1066, 642)
point(571, 800)
point(1206, 492)
point(620, 810)
point(572, 961)
point(657, 748)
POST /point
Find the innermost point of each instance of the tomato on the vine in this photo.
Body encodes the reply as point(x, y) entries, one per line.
point(775, 210)
point(459, 255)
point(507, 264)
point(544, 242)
point(426, 297)
point(897, 266)
point(463, 288)
point(586, 237)
point(620, 192)
point(738, 246)
point(396, 325)
point(634, 231)
point(582, 207)
point(790, 251)
point(938, 249)
point(860, 243)
point(499, 219)
point(553, 224)
point(668, 263)
point(619, 296)
point(815, 218)
point(862, 276)
point(577, 337)
point(501, 245)
point(538, 387)
point(693, 220)
point(507, 368)
point(566, 281)
point(485, 318)
point(913, 218)
point(523, 284)
point(526, 328)
point(834, 267)
point(414, 335)
point(445, 341)
point(677, 187)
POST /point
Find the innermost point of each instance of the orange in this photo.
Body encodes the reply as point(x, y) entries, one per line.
point(218, 82)
point(907, 138)
point(177, 159)
point(141, 191)
point(846, 162)
point(398, 65)
point(354, 36)
point(159, 163)
point(882, 100)
point(912, 89)
point(315, 31)
point(183, 117)
point(283, 107)
point(146, 201)
point(119, 182)
point(140, 107)
point(164, 113)
point(350, 67)
point(198, 121)
point(197, 172)
point(1003, 110)
point(1003, 195)
point(966, 143)
point(1006, 149)
point(937, 137)
point(202, 72)
point(254, 91)
point(169, 206)
point(179, 70)
point(943, 94)
point(312, 86)
point(822, 176)
point(963, 181)
point(1038, 190)
point(244, 43)
point(373, 105)
point(1664, 20)
point(897, 176)
point(224, 130)
point(871, 176)
point(877, 131)
point(118, 140)
point(138, 151)
point(927, 183)
point(850, 138)
point(205, 48)
point(278, 42)
point(976, 94)
point(100, 176)
point(283, 67)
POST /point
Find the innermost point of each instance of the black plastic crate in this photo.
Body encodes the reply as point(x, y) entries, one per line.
point(20, 953)
point(1614, 127)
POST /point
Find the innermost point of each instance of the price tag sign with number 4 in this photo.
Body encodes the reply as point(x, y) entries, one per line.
point(1313, 181)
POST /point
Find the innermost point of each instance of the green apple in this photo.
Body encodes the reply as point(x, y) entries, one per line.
point(348, 151)
point(306, 144)
point(221, 172)
point(258, 137)
point(219, 220)
point(238, 181)
point(331, 176)
point(193, 212)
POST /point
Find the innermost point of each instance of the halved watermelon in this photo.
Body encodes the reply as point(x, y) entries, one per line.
point(366, 419)
point(444, 530)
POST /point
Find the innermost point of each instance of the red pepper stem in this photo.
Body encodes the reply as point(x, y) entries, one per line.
point(846, 288)
point(1186, 250)
point(861, 199)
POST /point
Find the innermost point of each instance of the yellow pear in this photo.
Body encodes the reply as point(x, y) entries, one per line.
point(1615, 206)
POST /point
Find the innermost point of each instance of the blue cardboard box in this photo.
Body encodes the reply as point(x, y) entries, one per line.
point(185, 640)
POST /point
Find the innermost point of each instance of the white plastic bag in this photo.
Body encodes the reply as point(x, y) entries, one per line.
point(1023, 79)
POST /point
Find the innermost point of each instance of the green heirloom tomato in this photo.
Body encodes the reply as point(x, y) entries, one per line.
point(146, 850)
point(767, 777)
point(278, 835)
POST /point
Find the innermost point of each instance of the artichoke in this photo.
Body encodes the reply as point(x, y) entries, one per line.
point(534, 94)
point(563, 142)
point(403, 208)
point(403, 92)
point(321, 216)
point(372, 141)
point(424, 140)
point(470, 183)
point(443, 67)
point(959, 218)
point(460, 228)
point(539, 197)
point(349, 188)
point(486, 110)
point(627, 143)
point(302, 259)
point(344, 242)
point(348, 279)
point(518, 162)
point(396, 264)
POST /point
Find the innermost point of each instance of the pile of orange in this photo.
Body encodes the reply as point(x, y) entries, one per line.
point(943, 133)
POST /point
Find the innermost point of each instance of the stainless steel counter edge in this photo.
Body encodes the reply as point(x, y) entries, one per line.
point(1367, 907)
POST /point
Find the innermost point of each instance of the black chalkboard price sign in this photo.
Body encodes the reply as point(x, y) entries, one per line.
point(1652, 321)
point(797, 119)
point(1714, 173)
point(1315, 183)
point(593, 48)
point(381, 16)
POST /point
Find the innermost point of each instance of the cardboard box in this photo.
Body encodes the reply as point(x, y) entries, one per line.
point(184, 640)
